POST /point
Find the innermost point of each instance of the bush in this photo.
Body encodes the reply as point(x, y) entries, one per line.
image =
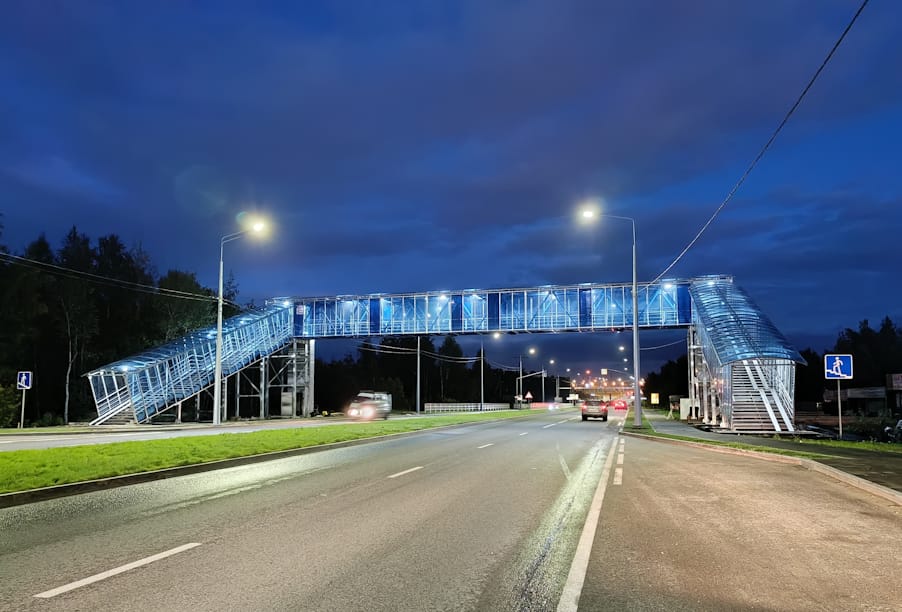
point(10, 405)
point(48, 419)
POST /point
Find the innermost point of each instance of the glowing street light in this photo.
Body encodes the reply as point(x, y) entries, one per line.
point(256, 226)
point(589, 212)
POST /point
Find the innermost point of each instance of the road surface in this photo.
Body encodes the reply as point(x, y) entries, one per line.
point(477, 517)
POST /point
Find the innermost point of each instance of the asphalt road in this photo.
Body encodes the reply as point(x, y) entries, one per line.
point(479, 517)
point(683, 528)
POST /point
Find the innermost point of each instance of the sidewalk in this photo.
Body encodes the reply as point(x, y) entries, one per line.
point(883, 468)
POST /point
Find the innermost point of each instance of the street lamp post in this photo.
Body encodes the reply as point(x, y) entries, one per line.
point(257, 227)
point(518, 392)
point(482, 376)
point(532, 351)
point(637, 420)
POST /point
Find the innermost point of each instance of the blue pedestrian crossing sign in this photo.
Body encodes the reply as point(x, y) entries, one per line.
point(23, 381)
point(837, 367)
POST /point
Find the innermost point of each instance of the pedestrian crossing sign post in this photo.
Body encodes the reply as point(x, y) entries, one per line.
point(23, 383)
point(838, 367)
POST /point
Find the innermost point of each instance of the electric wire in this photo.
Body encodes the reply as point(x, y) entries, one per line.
point(660, 346)
point(766, 145)
point(73, 274)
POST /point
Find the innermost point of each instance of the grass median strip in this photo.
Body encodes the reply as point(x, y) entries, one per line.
point(25, 470)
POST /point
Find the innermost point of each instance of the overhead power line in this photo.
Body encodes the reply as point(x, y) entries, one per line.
point(394, 350)
point(104, 280)
point(660, 346)
point(766, 145)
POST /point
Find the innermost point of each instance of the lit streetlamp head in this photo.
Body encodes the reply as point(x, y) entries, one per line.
point(588, 211)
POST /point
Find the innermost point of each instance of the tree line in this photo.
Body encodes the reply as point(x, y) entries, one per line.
point(60, 324)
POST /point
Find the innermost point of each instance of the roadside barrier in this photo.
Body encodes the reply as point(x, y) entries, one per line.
point(470, 407)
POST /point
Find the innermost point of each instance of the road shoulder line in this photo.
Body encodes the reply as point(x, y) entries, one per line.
point(569, 600)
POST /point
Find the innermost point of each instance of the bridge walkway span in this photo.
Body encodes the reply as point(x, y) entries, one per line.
point(146, 385)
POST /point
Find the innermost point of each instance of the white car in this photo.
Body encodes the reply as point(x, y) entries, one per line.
point(369, 405)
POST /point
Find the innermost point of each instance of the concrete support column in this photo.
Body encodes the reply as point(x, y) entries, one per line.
point(309, 396)
point(237, 395)
point(224, 415)
point(263, 388)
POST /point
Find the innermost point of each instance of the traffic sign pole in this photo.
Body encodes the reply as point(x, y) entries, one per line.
point(839, 408)
point(838, 367)
point(23, 382)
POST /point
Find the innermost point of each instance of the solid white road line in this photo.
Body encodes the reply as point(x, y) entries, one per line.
point(414, 469)
point(113, 572)
point(618, 476)
point(573, 587)
point(486, 445)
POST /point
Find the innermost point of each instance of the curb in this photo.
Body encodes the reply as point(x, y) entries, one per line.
point(809, 464)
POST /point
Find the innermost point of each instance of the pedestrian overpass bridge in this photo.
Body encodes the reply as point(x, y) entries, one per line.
point(741, 369)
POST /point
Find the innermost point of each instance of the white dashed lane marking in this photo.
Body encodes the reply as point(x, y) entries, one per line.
point(113, 572)
point(413, 469)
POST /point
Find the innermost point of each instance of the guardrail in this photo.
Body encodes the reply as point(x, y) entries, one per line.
point(471, 407)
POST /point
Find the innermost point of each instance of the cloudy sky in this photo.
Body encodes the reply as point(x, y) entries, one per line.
point(412, 146)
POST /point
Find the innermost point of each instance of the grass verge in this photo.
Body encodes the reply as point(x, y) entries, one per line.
point(628, 425)
point(24, 470)
point(743, 446)
point(879, 447)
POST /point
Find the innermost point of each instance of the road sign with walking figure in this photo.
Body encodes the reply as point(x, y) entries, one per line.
point(23, 381)
point(837, 367)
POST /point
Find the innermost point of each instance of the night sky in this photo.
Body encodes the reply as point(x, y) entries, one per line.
point(414, 146)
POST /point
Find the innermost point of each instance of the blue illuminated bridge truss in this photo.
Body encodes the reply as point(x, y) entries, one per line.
point(156, 380)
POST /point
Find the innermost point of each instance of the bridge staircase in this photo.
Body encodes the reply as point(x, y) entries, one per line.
point(756, 406)
point(142, 386)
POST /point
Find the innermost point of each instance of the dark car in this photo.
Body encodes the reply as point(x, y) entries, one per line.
point(596, 409)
